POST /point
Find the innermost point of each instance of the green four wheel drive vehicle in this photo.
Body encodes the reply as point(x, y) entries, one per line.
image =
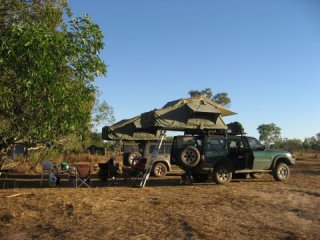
point(222, 156)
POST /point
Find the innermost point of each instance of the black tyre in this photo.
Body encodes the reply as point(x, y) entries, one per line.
point(281, 172)
point(222, 174)
point(256, 175)
point(190, 157)
point(160, 169)
point(200, 177)
point(132, 156)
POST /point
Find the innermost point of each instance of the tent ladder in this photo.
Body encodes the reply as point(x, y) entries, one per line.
point(154, 156)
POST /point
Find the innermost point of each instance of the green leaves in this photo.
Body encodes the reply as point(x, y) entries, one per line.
point(220, 98)
point(269, 133)
point(47, 71)
point(86, 41)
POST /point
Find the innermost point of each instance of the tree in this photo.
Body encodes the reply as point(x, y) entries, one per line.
point(306, 145)
point(220, 98)
point(312, 142)
point(102, 113)
point(289, 144)
point(47, 69)
point(269, 133)
point(207, 92)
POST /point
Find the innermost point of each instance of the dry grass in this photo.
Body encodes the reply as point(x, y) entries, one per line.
point(244, 209)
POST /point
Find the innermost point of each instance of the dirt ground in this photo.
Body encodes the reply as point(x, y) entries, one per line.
point(164, 209)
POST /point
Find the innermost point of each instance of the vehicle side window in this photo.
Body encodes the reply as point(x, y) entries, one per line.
point(254, 144)
point(189, 142)
point(232, 144)
point(215, 147)
point(163, 149)
point(152, 148)
point(167, 148)
point(185, 141)
point(198, 143)
point(235, 143)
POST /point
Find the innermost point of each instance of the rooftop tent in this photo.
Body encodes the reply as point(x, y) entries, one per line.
point(183, 114)
point(197, 113)
point(126, 130)
point(202, 102)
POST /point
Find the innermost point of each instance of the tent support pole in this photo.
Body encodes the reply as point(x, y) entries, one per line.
point(146, 175)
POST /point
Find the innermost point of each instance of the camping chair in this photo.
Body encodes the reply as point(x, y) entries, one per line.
point(48, 167)
point(81, 175)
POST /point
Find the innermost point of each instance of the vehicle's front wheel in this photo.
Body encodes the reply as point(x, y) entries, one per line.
point(281, 172)
point(159, 169)
point(222, 175)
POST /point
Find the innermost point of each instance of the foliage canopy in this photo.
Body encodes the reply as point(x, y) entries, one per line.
point(47, 69)
point(220, 98)
point(269, 133)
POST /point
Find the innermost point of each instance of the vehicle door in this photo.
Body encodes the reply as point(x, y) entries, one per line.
point(248, 155)
point(262, 159)
point(214, 147)
point(240, 153)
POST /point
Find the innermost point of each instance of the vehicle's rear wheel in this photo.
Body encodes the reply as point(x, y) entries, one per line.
point(190, 157)
point(256, 175)
point(159, 169)
point(281, 172)
point(200, 177)
point(222, 174)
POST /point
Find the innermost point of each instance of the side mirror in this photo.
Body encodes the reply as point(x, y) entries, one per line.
point(262, 148)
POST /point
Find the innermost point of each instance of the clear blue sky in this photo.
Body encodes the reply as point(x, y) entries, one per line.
point(264, 54)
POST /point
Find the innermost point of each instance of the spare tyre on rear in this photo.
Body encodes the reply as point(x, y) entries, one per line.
point(128, 161)
point(190, 157)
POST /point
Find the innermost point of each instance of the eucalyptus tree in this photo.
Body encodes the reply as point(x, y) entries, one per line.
point(220, 98)
point(269, 133)
point(48, 62)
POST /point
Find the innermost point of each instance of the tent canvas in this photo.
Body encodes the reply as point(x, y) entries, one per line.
point(197, 113)
point(190, 113)
point(126, 130)
point(202, 102)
